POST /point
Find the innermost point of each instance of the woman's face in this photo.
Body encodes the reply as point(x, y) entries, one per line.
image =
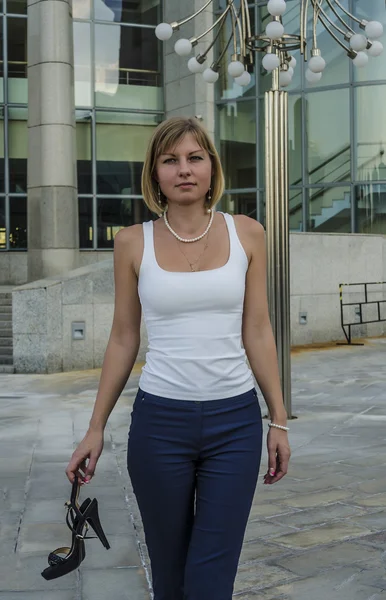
point(184, 173)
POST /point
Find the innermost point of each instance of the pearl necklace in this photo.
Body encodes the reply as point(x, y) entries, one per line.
point(187, 241)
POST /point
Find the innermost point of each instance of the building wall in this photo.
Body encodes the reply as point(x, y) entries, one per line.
point(43, 311)
point(337, 134)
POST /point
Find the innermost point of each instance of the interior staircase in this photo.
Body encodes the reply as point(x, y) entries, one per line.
point(6, 343)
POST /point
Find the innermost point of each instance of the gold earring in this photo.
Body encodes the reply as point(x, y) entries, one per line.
point(210, 194)
point(159, 195)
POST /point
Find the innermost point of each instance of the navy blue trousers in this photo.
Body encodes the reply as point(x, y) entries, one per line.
point(194, 469)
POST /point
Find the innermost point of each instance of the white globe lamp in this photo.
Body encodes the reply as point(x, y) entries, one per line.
point(313, 77)
point(361, 59)
point(293, 62)
point(285, 78)
point(270, 61)
point(210, 76)
point(183, 47)
point(358, 42)
point(164, 31)
point(244, 79)
point(274, 30)
point(194, 66)
point(291, 71)
point(317, 64)
point(376, 48)
point(235, 68)
point(276, 7)
point(374, 30)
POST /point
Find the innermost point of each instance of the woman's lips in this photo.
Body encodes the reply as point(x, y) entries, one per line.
point(186, 185)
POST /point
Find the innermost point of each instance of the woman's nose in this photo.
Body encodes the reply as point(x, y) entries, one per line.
point(184, 166)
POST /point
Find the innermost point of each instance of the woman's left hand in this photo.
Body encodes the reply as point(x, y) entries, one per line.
point(278, 455)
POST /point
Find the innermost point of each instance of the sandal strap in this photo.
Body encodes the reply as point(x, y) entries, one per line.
point(55, 559)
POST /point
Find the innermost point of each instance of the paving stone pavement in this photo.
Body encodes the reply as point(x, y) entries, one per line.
point(320, 533)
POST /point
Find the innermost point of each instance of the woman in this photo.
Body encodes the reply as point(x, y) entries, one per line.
point(196, 434)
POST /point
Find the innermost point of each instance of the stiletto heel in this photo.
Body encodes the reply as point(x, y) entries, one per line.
point(95, 523)
point(62, 565)
point(78, 519)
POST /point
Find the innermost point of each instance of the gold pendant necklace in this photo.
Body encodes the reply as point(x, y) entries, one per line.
point(192, 264)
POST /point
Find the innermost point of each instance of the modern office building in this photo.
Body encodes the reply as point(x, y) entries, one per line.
point(83, 85)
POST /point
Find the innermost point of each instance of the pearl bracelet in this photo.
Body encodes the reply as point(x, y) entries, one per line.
point(278, 426)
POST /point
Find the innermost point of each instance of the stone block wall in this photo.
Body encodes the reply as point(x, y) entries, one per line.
point(43, 313)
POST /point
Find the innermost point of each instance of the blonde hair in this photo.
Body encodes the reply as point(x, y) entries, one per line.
point(165, 137)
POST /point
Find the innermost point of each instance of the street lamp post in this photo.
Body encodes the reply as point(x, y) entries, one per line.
point(277, 46)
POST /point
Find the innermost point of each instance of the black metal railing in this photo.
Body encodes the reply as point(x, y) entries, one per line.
point(366, 302)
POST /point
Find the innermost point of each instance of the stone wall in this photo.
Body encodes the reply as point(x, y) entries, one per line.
point(43, 311)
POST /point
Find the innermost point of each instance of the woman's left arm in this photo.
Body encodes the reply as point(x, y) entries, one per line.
point(259, 344)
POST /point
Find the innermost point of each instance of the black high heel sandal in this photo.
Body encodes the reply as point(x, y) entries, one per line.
point(74, 556)
point(74, 512)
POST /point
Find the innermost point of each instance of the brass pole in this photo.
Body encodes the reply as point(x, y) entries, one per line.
point(277, 225)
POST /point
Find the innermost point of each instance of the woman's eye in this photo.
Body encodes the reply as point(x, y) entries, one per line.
point(168, 160)
point(198, 157)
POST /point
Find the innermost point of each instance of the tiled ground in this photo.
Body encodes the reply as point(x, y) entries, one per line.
point(319, 534)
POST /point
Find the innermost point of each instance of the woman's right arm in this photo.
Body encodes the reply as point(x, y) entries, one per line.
point(120, 355)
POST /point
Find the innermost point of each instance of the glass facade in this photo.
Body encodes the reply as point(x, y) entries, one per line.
point(119, 102)
point(337, 135)
point(13, 125)
point(337, 127)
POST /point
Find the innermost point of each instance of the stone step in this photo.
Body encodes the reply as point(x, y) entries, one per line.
point(5, 325)
point(5, 332)
point(5, 308)
point(5, 316)
point(6, 351)
point(7, 369)
point(5, 301)
point(5, 294)
point(6, 360)
point(6, 342)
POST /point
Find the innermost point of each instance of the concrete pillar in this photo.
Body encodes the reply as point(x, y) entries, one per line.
point(187, 94)
point(53, 235)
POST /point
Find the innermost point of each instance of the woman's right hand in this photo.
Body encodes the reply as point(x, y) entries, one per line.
point(89, 449)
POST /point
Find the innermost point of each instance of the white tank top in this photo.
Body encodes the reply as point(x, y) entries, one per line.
point(194, 321)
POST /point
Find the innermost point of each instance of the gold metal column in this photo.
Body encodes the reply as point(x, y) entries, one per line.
point(277, 226)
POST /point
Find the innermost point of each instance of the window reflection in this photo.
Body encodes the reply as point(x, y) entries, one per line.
point(18, 223)
point(371, 133)
point(18, 149)
point(295, 204)
point(81, 9)
point(239, 204)
point(127, 68)
point(114, 214)
point(229, 89)
point(328, 132)
point(370, 206)
point(84, 152)
point(372, 11)
point(17, 60)
point(329, 210)
point(121, 144)
point(1, 62)
point(85, 222)
point(82, 64)
point(3, 232)
point(127, 11)
point(238, 144)
point(18, 7)
point(338, 65)
point(2, 164)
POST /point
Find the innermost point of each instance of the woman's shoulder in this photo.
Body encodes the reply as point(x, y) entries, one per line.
point(128, 235)
point(248, 225)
